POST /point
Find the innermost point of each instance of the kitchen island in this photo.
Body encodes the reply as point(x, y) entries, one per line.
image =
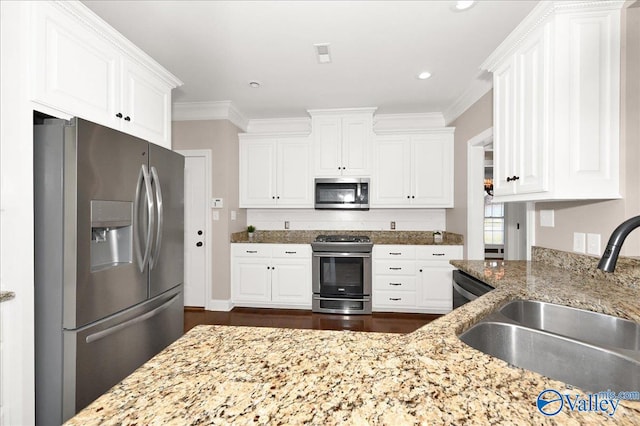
point(242, 375)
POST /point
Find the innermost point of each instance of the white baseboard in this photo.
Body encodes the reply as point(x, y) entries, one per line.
point(223, 305)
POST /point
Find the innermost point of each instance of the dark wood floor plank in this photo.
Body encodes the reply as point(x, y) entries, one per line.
point(302, 319)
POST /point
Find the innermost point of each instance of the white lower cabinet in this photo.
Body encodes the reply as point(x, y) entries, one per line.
point(271, 275)
point(413, 278)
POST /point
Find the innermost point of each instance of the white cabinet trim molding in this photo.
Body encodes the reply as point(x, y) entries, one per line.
point(104, 30)
point(280, 126)
point(537, 18)
point(414, 121)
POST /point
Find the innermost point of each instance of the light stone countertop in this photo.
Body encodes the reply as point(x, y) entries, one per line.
point(245, 375)
point(377, 237)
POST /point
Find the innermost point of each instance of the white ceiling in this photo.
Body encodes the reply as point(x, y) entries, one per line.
point(377, 50)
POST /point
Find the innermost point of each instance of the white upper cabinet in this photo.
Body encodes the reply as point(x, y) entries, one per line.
point(556, 104)
point(413, 170)
point(275, 171)
point(342, 141)
point(84, 68)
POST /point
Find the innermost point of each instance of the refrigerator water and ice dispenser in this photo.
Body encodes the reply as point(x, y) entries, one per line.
point(111, 234)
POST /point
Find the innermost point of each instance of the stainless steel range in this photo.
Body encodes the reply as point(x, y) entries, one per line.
point(342, 274)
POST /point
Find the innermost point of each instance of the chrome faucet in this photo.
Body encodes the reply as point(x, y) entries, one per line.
point(610, 257)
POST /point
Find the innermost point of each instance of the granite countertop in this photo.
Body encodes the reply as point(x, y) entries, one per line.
point(244, 375)
point(377, 237)
point(6, 295)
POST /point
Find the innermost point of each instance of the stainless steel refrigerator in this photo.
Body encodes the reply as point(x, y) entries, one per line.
point(109, 249)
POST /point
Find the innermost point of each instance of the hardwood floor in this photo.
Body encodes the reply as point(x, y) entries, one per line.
point(290, 318)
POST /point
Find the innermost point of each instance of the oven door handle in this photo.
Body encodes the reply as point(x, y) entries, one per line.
point(350, 299)
point(353, 254)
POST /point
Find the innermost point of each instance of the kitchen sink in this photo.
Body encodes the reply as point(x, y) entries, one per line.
point(562, 343)
point(592, 327)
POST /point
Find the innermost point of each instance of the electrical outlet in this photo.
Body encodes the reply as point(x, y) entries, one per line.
point(393, 225)
point(579, 242)
point(593, 244)
point(216, 215)
point(234, 215)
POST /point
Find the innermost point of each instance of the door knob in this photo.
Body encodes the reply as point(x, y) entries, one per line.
point(199, 244)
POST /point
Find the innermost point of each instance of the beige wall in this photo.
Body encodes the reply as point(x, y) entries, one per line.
point(603, 216)
point(221, 137)
point(475, 120)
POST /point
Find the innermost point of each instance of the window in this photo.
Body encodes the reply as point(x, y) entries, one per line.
point(494, 223)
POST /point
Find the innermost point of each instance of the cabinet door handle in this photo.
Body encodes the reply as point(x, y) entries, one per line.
point(437, 254)
point(395, 254)
point(395, 284)
point(395, 269)
point(127, 118)
point(290, 252)
point(420, 270)
point(408, 196)
point(251, 251)
point(395, 299)
point(513, 179)
point(119, 115)
point(413, 196)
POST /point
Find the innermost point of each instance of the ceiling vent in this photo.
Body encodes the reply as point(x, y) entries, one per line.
point(322, 51)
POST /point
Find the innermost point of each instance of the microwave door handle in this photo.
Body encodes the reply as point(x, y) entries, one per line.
point(156, 252)
point(358, 192)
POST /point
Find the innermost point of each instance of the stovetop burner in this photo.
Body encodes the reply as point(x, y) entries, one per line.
point(342, 239)
point(342, 244)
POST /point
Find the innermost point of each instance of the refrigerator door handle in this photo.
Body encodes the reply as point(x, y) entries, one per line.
point(143, 177)
point(156, 252)
point(104, 333)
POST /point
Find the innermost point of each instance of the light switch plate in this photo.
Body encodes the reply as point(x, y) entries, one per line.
point(217, 203)
point(547, 218)
point(579, 242)
point(593, 244)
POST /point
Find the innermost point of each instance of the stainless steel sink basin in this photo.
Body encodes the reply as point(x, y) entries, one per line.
point(593, 327)
point(595, 352)
point(589, 367)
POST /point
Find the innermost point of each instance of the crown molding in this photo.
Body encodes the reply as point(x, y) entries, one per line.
point(93, 22)
point(411, 121)
point(216, 110)
point(430, 130)
point(478, 89)
point(293, 125)
point(342, 111)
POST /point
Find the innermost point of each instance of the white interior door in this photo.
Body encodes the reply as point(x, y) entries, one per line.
point(197, 238)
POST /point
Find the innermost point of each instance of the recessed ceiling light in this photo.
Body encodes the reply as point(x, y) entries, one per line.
point(424, 75)
point(464, 4)
point(254, 84)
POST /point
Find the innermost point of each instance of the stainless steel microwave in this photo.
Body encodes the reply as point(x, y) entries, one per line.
point(342, 193)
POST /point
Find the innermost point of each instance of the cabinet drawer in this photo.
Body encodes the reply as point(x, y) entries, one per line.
point(394, 252)
point(394, 298)
point(394, 283)
point(292, 251)
point(398, 267)
point(439, 252)
point(251, 250)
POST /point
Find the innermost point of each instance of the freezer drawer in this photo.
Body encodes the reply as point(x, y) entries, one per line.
point(108, 351)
